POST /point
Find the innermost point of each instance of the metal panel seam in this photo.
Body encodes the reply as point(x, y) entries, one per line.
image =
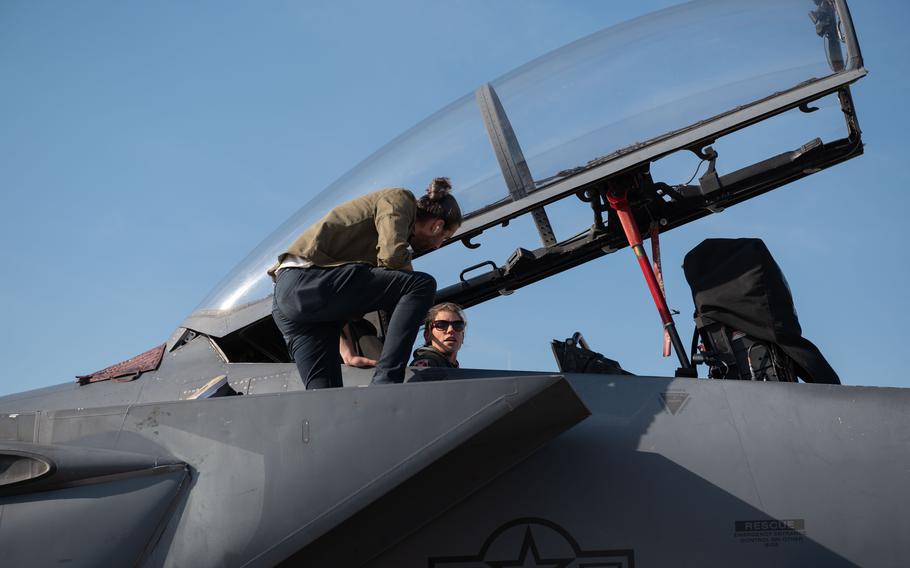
point(742, 447)
point(126, 413)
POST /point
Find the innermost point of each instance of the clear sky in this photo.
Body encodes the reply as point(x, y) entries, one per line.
point(147, 147)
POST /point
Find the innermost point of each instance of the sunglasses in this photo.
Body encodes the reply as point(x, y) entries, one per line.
point(443, 325)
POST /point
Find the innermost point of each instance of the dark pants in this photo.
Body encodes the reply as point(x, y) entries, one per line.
point(311, 305)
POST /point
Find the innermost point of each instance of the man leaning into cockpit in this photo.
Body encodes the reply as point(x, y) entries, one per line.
point(355, 260)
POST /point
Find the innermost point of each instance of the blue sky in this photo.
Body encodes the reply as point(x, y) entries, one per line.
point(146, 148)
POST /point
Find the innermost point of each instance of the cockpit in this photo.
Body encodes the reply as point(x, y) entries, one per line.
point(531, 153)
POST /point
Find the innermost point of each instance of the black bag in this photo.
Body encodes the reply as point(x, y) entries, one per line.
point(744, 312)
point(573, 356)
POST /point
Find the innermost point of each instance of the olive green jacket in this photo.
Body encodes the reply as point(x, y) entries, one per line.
point(373, 229)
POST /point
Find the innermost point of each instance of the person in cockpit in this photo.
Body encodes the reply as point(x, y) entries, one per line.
point(443, 336)
point(355, 260)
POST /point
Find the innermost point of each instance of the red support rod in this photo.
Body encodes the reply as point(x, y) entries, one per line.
point(653, 286)
point(620, 203)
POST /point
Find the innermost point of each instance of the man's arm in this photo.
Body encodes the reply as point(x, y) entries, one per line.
point(395, 216)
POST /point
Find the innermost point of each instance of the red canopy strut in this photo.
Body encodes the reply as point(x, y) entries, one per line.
point(620, 203)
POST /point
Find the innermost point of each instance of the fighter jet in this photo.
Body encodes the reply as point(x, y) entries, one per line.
point(207, 451)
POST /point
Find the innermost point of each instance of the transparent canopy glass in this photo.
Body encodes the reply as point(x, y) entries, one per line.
point(571, 109)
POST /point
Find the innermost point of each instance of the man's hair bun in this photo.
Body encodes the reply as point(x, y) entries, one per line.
point(439, 188)
point(439, 203)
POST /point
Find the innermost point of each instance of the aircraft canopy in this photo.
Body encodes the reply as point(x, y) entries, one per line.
point(630, 92)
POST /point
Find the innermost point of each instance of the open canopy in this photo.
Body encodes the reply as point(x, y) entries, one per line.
point(608, 103)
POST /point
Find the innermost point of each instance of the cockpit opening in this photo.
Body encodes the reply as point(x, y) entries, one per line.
point(262, 342)
point(258, 342)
